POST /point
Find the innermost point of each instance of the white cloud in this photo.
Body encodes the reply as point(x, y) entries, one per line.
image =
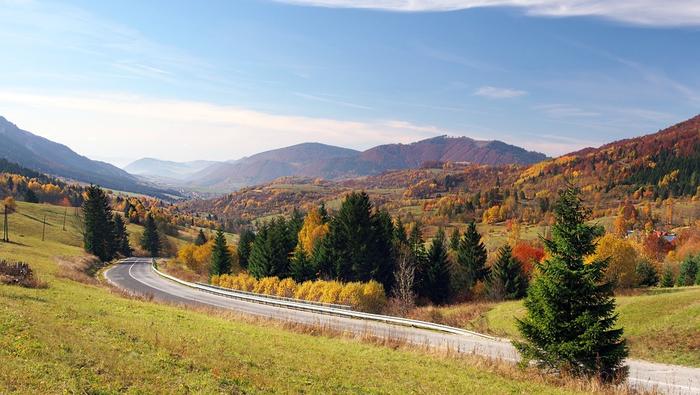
point(120, 125)
point(498, 93)
point(639, 12)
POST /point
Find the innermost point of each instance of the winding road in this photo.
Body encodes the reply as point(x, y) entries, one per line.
point(135, 275)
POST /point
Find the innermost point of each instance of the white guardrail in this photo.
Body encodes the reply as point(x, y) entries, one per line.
point(297, 304)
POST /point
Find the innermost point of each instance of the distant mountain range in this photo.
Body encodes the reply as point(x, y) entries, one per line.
point(156, 168)
point(330, 162)
point(45, 156)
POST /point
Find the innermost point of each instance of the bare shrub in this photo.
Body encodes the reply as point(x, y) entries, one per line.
point(19, 273)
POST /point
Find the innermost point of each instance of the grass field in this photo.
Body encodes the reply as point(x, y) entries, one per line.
point(80, 338)
point(660, 325)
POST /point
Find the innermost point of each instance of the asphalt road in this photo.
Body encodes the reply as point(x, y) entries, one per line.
point(136, 276)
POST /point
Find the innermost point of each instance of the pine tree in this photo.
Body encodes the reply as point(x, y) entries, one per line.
point(269, 255)
point(507, 279)
point(220, 255)
point(201, 238)
point(437, 276)
point(301, 268)
point(150, 240)
point(30, 196)
point(570, 321)
point(245, 243)
point(454, 239)
point(400, 236)
point(688, 271)
point(98, 230)
point(121, 237)
point(420, 259)
point(471, 259)
point(667, 280)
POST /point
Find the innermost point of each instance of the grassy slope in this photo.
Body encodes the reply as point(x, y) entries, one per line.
point(662, 326)
point(74, 337)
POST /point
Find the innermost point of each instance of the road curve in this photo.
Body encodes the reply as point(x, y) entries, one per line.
point(135, 275)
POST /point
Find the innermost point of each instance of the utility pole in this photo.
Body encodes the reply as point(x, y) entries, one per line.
point(65, 213)
point(43, 229)
point(5, 228)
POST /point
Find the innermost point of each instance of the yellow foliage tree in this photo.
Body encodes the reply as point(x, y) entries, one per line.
point(312, 231)
point(622, 260)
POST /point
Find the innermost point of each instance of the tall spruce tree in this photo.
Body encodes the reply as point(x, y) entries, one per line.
point(201, 238)
point(471, 260)
point(98, 236)
point(507, 279)
point(454, 239)
point(301, 268)
point(358, 246)
point(245, 243)
point(269, 255)
point(30, 196)
point(437, 276)
point(220, 255)
point(121, 238)
point(571, 321)
point(150, 240)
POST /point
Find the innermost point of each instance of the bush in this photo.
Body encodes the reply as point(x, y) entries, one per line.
point(368, 296)
point(668, 278)
point(646, 273)
point(19, 273)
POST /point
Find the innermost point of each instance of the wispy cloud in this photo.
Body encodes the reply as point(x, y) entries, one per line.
point(331, 100)
point(102, 124)
point(492, 92)
point(565, 111)
point(638, 12)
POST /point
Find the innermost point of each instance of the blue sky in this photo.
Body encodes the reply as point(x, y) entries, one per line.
point(183, 80)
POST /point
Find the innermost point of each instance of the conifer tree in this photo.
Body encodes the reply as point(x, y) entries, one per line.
point(220, 255)
point(98, 230)
point(400, 236)
point(471, 259)
point(454, 239)
point(507, 279)
point(667, 279)
point(30, 196)
point(437, 275)
point(301, 267)
point(245, 243)
point(121, 237)
point(150, 240)
point(201, 238)
point(269, 255)
point(571, 321)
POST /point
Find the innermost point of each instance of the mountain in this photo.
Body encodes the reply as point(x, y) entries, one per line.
point(155, 168)
point(46, 156)
point(325, 161)
point(300, 159)
point(648, 168)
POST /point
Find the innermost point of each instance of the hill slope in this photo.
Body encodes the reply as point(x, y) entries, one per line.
point(319, 160)
point(46, 156)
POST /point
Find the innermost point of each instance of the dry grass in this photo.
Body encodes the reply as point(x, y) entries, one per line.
point(79, 268)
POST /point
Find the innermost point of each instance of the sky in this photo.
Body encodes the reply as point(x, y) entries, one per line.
point(219, 80)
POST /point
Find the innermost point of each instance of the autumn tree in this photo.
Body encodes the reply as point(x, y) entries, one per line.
point(150, 240)
point(313, 229)
point(404, 278)
point(528, 255)
point(221, 260)
point(622, 260)
point(506, 279)
point(570, 323)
